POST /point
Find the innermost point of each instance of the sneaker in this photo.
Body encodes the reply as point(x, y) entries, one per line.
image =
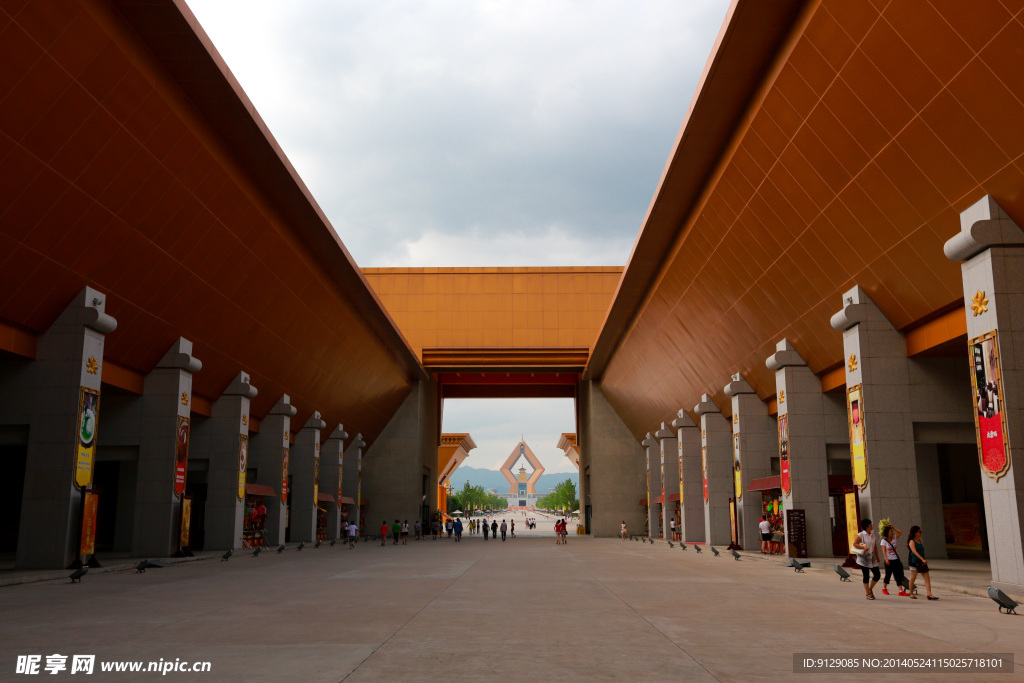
point(885, 591)
point(904, 593)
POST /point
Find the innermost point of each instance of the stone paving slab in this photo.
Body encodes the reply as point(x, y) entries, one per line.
point(596, 609)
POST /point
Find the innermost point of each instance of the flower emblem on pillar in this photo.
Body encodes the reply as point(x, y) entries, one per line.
point(852, 362)
point(979, 304)
point(736, 419)
point(184, 398)
point(245, 419)
point(782, 395)
point(92, 366)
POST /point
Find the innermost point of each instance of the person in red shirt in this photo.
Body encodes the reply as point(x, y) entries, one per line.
point(383, 533)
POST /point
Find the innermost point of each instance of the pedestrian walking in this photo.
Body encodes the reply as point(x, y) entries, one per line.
point(622, 530)
point(353, 534)
point(765, 527)
point(558, 532)
point(893, 564)
point(485, 530)
point(867, 557)
point(458, 530)
point(384, 532)
point(504, 528)
point(418, 530)
point(405, 532)
point(512, 528)
point(434, 527)
point(672, 528)
point(448, 527)
point(494, 530)
point(918, 563)
point(396, 531)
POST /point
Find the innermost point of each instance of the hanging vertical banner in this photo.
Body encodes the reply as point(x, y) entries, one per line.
point(661, 448)
point(284, 477)
point(186, 521)
point(858, 447)
point(316, 477)
point(243, 457)
point(704, 469)
point(88, 544)
point(359, 485)
point(85, 447)
point(181, 455)
point(341, 471)
point(989, 418)
point(733, 531)
point(736, 468)
point(679, 443)
point(852, 519)
point(784, 453)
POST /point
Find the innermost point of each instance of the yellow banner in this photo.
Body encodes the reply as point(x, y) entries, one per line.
point(243, 457)
point(858, 447)
point(186, 521)
point(737, 469)
point(88, 544)
point(316, 479)
point(85, 447)
point(852, 523)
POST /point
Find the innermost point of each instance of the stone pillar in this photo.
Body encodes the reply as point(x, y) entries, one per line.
point(332, 478)
point(352, 478)
point(650, 445)
point(879, 412)
point(691, 497)
point(754, 442)
point(224, 439)
point(269, 455)
point(716, 474)
point(802, 456)
point(65, 378)
point(164, 435)
point(989, 244)
point(305, 468)
point(669, 475)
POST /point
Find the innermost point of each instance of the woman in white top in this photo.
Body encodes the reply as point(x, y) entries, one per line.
point(622, 530)
point(893, 564)
point(867, 557)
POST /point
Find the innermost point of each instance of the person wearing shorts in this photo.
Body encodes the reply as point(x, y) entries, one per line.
point(384, 533)
point(867, 557)
point(396, 531)
point(766, 535)
point(405, 532)
point(918, 563)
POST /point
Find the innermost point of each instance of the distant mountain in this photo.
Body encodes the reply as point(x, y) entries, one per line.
point(493, 479)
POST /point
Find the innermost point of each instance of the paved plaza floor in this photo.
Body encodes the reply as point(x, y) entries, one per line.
point(521, 610)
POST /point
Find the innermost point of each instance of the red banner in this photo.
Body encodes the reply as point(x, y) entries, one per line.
point(704, 469)
point(784, 453)
point(88, 544)
point(990, 418)
point(181, 455)
point(284, 477)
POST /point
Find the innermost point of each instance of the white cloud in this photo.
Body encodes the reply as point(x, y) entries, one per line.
point(497, 424)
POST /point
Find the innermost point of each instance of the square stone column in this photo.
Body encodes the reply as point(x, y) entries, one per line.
point(669, 474)
point(691, 497)
point(879, 412)
point(65, 380)
point(305, 467)
point(164, 436)
point(223, 438)
point(716, 479)
point(802, 455)
point(269, 455)
point(989, 244)
point(332, 472)
point(754, 443)
point(654, 489)
point(352, 478)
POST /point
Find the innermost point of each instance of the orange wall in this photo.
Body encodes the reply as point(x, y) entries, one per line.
point(496, 307)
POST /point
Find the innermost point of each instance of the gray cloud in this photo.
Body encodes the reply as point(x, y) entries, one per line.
point(472, 133)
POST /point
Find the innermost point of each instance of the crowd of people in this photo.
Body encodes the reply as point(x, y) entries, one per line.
point(491, 527)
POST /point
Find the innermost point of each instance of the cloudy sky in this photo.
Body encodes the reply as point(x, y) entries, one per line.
point(487, 133)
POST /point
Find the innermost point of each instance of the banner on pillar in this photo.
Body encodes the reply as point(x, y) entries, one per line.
point(736, 468)
point(852, 520)
point(679, 443)
point(284, 477)
point(784, 454)
point(341, 471)
point(661, 448)
point(186, 521)
point(733, 528)
point(243, 457)
point(990, 418)
point(316, 477)
point(181, 455)
point(858, 445)
point(91, 505)
point(704, 469)
point(85, 446)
